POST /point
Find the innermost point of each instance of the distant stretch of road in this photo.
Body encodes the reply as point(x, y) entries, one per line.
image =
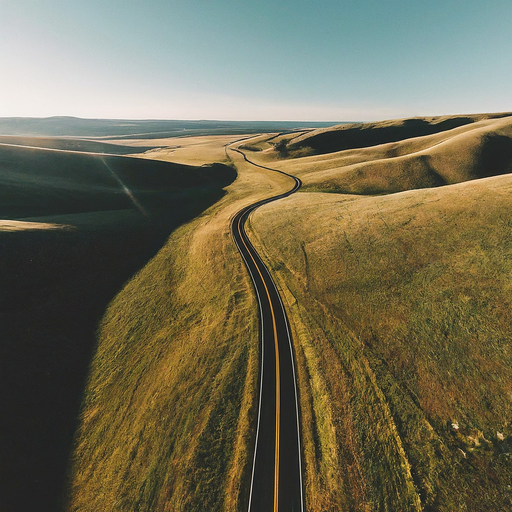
point(276, 481)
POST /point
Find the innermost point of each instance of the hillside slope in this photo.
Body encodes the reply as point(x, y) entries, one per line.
point(477, 150)
point(35, 182)
point(399, 311)
point(360, 135)
point(59, 271)
point(399, 306)
point(168, 417)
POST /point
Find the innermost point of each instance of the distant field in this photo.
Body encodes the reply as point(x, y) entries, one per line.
point(77, 127)
point(187, 150)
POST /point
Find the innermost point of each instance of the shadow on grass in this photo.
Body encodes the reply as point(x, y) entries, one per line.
point(366, 135)
point(55, 288)
point(495, 156)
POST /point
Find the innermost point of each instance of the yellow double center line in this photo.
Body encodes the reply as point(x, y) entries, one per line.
point(278, 384)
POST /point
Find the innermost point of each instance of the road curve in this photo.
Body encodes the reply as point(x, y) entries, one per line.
point(276, 479)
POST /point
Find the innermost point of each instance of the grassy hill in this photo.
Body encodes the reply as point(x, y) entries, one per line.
point(396, 284)
point(477, 150)
point(40, 183)
point(360, 135)
point(402, 358)
point(398, 306)
point(169, 411)
point(71, 235)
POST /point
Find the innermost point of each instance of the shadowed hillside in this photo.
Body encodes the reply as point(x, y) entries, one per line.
point(480, 152)
point(85, 225)
point(36, 182)
point(351, 136)
point(477, 150)
point(73, 144)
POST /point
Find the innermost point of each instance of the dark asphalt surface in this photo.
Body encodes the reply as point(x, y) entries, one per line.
point(276, 483)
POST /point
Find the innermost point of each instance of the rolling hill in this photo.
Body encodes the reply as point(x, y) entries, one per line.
point(477, 150)
point(398, 307)
point(360, 135)
point(74, 227)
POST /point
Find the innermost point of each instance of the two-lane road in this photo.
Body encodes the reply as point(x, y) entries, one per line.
point(276, 481)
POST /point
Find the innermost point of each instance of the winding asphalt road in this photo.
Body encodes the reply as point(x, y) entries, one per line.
point(276, 482)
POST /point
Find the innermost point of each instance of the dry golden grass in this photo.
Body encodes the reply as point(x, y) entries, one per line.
point(360, 135)
point(75, 228)
point(268, 143)
point(479, 149)
point(185, 150)
point(18, 225)
point(399, 307)
point(170, 402)
point(394, 343)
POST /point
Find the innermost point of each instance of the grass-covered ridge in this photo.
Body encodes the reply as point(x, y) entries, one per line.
point(360, 135)
point(37, 182)
point(476, 150)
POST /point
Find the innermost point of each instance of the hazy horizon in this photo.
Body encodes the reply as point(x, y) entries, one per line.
point(240, 61)
point(241, 121)
point(196, 119)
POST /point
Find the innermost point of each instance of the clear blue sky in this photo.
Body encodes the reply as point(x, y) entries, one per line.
point(251, 60)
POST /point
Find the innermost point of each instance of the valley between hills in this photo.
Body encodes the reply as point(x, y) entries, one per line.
point(130, 355)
